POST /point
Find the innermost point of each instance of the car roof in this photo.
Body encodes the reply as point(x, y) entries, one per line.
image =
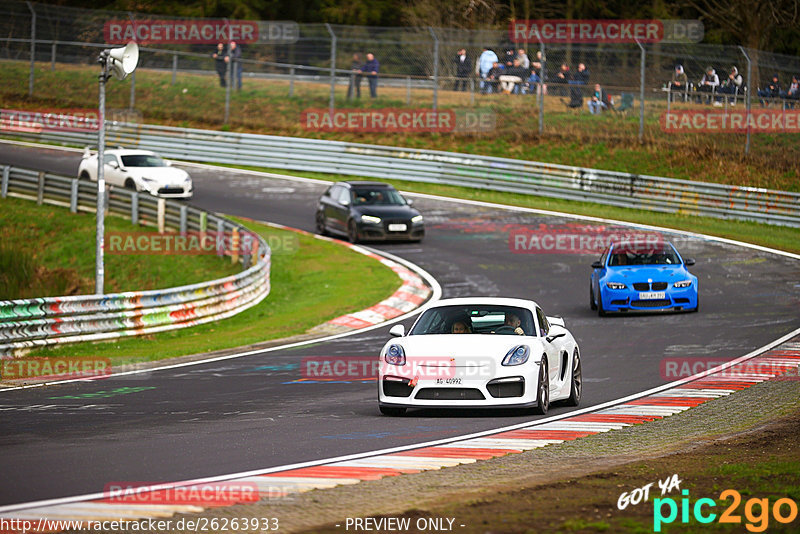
point(497, 301)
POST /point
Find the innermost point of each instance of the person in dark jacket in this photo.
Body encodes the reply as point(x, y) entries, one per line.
point(220, 64)
point(463, 68)
point(234, 57)
point(773, 90)
point(355, 77)
point(370, 70)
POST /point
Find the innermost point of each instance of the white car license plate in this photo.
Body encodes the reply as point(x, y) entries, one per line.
point(652, 295)
point(397, 227)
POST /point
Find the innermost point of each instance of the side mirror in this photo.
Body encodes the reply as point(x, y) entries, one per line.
point(409, 201)
point(397, 330)
point(345, 202)
point(551, 337)
point(597, 265)
point(113, 164)
point(689, 261)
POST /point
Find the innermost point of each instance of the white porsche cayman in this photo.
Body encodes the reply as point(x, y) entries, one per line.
point(479, 353)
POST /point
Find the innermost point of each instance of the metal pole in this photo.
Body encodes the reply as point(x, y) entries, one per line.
point(229, 82)
point(99, 273)
point(291, 82)
point(332, 103)
point(133, 92)
point(33, 48)
point(408, 90)
point(641, 93)
point(53, 56)
point(174, 68)
point(435, 68)
point(541, 90)
point(747, 104)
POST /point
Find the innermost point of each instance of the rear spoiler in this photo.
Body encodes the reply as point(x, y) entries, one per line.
point(556, 321)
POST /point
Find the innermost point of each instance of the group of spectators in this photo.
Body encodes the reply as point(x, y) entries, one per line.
point(710, 89)
point(358, 70)
point(225, 57)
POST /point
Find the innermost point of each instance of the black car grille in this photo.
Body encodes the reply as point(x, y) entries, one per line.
point(170, 191)
point(397, 388)
point(450, 394)
point(655, 303)
point(502, 390)
point(646, 286)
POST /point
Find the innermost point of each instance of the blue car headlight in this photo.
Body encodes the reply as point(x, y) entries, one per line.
point(615, 285)
point(395, 355)
point(517, 356)
point(682, 283)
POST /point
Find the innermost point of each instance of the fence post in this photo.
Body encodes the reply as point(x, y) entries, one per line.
point(408, 90)
point(174, 68)
point(228, 83)
point(748, 101)
point(53, 56)
point(641, 92)
point(135, 208)
point(332, 103)
point(435, 68)
point(33, 48)
point(291, 82)
point(542, 88)
point(132, 104)
point(472, 91)
point(40, 189)
point(73, 196)
point(4, 185)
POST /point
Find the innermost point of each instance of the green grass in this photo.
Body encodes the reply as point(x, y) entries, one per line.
point(779, 237)
point(608, 141)
point(312, 282)
point(48, 251)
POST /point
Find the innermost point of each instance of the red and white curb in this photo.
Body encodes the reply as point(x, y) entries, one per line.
point(779, 360)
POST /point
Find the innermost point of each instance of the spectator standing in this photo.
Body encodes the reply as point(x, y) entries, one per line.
point(462, 63)
point(679, 82)
point(599, 100)
point(486, 62)
point(371, 72)
point(708, 83)
point(355, 77)
point(220, 63)
point(582, 75)
point(234, 57)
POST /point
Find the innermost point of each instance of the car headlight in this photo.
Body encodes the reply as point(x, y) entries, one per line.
point(148, 180)
point(370, 219)
point(615, 285)
point(395, 355)
point(416, 219)
point(517, 356)
point(682, 283)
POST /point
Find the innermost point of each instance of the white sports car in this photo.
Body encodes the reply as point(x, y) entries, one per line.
point(477, 353)
point(141, 170)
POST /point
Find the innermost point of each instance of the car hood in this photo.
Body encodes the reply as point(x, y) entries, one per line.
point(463, 348)
point(162, 175)
point(660, 273)
point(387, 212)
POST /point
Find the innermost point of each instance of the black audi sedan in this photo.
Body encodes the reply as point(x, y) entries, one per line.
point(368, 211)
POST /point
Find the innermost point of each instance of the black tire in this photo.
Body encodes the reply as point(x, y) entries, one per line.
point(543, 392)
point(130, 184)
point(352, 231)
point(320, 224)
point(600, 311)
point(697, 309)
point(576, 390)
point(394, 412)
point(592, 304)
point(84, 176)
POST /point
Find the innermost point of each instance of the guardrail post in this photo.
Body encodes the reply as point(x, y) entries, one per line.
point(135, 207)
point(174, 68)
point(235, 245)
point(291, 82)
point(33, 48)
point(4, 185)
point(53, 56)
point(220, 237)
point(162, 210)
point(73, 196)
point(184, 210)
point(246, 249)
point(203, 222)
point(40, 189)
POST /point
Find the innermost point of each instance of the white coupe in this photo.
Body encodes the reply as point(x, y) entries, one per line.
point(480, 353)
point(140, 170)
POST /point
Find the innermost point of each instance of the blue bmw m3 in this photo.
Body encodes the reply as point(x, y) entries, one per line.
point(642, 276)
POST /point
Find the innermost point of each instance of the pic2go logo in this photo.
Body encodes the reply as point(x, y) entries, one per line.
point(756, 511)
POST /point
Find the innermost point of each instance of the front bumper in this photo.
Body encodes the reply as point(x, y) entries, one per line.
point(628, 300)
point(380, 232)
point(183, 191)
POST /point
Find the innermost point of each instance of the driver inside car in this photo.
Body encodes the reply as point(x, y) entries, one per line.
point(459, 327)
point(511, 324)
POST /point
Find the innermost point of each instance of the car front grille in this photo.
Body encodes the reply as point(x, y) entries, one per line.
point(646, 286)
point(504, 390)
point(654, 303)
point(641, 286)
point(659, 286)
point(450, 394)
point(397, 388)
point(170, 191)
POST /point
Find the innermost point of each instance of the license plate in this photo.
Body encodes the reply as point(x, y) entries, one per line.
point(652, 295)
point(397, 227)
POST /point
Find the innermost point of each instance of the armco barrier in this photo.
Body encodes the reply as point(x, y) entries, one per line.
point(499, 174)
point(44, 321)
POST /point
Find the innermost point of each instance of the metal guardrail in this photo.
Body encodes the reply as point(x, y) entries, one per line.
point(621, 189)
point(44, 321)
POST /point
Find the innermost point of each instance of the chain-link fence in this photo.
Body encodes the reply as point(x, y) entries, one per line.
point(629, 86)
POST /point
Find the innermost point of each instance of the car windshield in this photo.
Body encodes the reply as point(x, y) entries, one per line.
point(643, 254)
point(142, 160)
point(377, 197)
point(474, 319)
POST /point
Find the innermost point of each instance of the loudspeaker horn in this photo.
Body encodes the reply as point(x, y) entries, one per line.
point(122, 61)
